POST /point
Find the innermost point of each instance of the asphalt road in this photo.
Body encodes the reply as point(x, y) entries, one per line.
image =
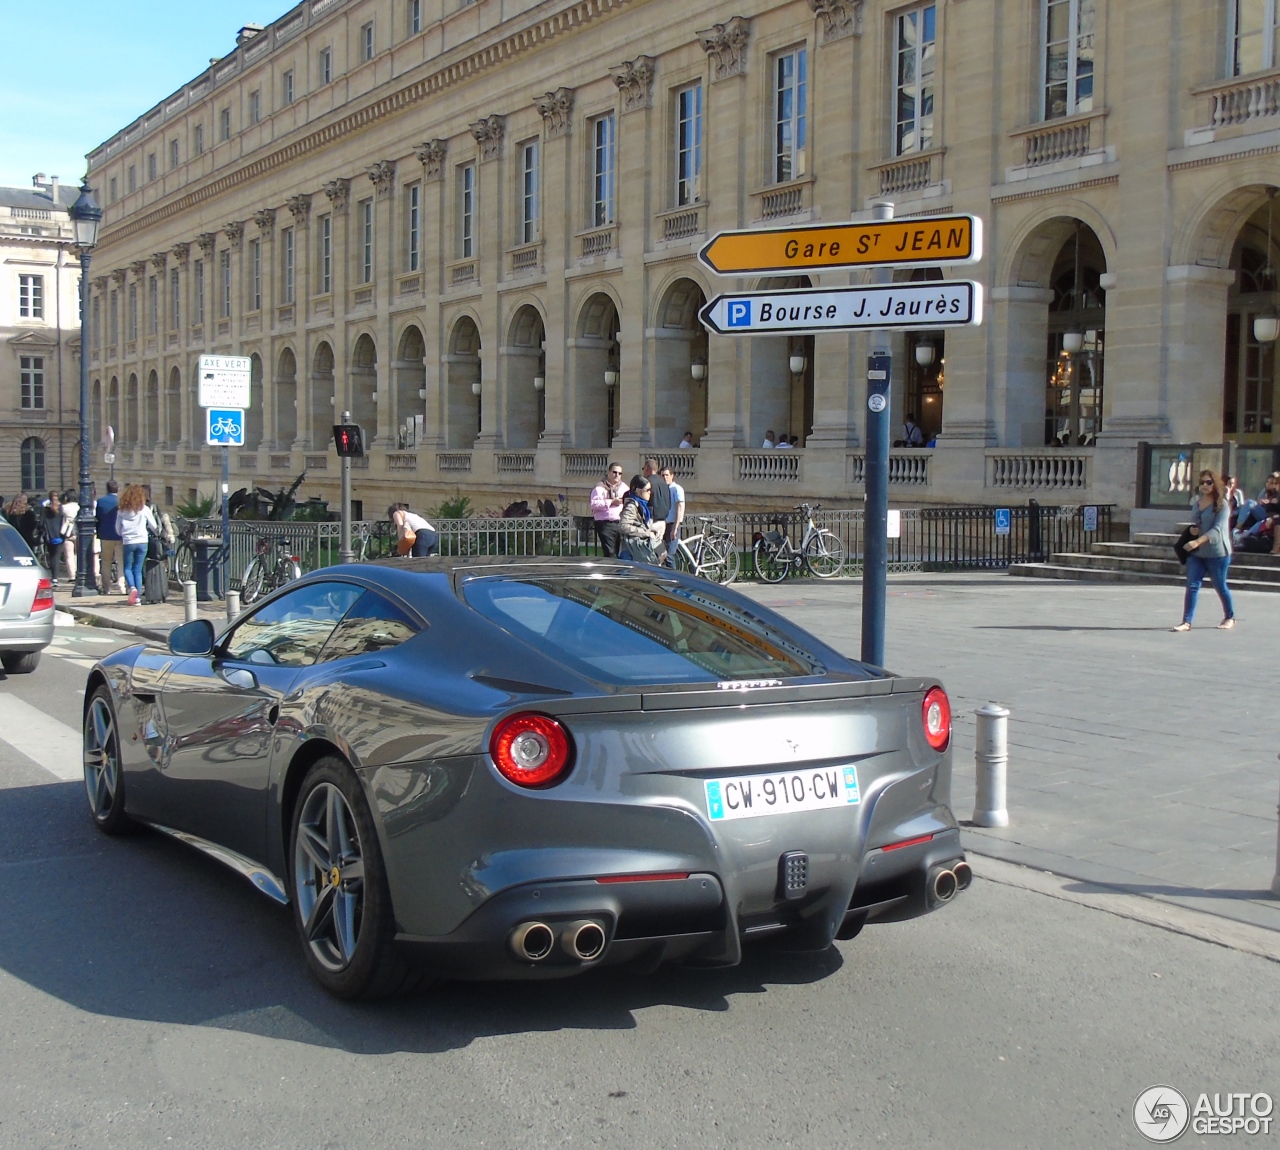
point(150, 998)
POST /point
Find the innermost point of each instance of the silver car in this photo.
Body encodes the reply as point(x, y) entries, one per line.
point(26, 604)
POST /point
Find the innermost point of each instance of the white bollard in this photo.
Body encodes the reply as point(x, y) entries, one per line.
point(233, 605)
point(1275, 881)
point(991, 762)
point(189, 607)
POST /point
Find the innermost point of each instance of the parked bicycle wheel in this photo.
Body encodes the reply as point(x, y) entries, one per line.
point(824, 555)
point(286, 571)
point(714, 563)
point(732, 563)
point(682, 559)
point(254, 582)
point(771, 565)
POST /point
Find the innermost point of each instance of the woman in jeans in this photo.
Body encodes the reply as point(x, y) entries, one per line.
point(1209, 552)
point(135, 520)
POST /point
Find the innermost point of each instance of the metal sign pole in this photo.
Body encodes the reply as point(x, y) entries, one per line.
point(875, 563)
point(344, 539)
point(226, 516)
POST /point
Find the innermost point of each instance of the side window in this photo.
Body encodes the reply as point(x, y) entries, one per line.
point(292, 630)
point(372, 625)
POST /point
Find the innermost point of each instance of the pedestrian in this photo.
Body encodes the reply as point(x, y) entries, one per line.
point(1209, 551)
point(687, 441)
point(111, 554)
point(912, 436)
point(70, 513)
point(51, 532)
point(675, 517)
point(783, 441)
point(641, 530)
point(135, 523)
point(606, 509)
point(415, 536)
point(770, 438)
point(23, 517)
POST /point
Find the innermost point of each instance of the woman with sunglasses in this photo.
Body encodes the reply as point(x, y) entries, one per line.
point(640, 534)
point(1209, 551)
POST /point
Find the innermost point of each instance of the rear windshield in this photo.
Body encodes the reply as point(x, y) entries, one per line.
point(14, 551)
point(623, 629)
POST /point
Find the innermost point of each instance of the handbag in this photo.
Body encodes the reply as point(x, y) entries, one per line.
point(1180, 547)
point(407, 540)
point(640, 550)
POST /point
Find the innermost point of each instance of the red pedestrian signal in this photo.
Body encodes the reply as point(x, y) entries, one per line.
point(348, 438)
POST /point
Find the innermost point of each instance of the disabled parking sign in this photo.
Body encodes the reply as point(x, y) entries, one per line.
point(225, 426)
point(1004, 520)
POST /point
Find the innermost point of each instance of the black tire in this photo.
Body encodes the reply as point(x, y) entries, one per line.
point(184, 563)
point(770, 565)
point(20, 662)
point(732, 564)
point(254, 582)
point(824, 555)
point(714, 563)
point(103, 771)
point(347, 929)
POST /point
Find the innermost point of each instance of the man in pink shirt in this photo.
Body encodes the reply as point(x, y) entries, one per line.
point(606, 507)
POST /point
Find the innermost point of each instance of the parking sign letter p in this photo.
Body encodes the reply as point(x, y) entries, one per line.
point(739, 313)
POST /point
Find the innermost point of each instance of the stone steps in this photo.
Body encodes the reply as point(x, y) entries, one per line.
point(1107, 575)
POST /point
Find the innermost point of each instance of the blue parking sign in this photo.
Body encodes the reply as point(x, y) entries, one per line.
point(1004, 520)
point(738, 312)
point(225, 426)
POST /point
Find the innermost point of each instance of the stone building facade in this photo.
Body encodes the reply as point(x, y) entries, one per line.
point(475, 227)
point(39, 340)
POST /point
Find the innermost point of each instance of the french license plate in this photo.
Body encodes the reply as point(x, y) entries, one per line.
point(750, 796)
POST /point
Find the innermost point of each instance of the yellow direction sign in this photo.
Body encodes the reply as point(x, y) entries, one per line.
point(877, 243)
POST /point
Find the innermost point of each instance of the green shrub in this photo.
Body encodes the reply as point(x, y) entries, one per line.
point(459, 507)
point(198, 508)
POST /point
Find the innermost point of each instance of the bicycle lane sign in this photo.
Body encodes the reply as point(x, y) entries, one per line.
point(224, 426)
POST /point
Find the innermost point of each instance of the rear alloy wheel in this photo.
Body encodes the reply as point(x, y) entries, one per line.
point(770, 565)
point(103, 776)
point(824, 555)
point(341, 901)
point(20, 662)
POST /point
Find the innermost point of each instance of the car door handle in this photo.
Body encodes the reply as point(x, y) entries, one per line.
point(239, 677)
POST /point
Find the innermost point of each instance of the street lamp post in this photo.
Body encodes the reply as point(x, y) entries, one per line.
point(85, 215)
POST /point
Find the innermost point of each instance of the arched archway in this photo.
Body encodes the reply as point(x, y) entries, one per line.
point(364, 386)
point(129, 433)
point(524, 410)
point(254, 417)
point(286, 400)
point(597, 358)
point(410, 372)
point(321, 409)
point(151, 410)
point(781, 397)
point(173, 407)
point(462, 398)
point(680, 342)
point(923, 373)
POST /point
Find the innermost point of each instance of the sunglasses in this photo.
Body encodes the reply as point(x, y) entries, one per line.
point(1206, 483)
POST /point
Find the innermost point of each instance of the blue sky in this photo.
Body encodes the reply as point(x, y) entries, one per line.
point(74, 73)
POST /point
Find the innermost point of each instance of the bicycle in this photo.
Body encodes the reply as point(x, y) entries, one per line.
point(820, 551)
point(271, 567)
point(184, 554)
point(711, 554)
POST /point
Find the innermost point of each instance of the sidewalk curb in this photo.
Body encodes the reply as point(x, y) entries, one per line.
point(101, 619)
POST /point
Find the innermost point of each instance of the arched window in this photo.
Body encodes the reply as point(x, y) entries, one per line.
point(33, 464)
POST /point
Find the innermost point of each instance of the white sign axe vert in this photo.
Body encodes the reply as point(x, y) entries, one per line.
point(932, 304)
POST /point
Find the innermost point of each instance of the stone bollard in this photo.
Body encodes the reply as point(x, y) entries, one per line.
point(189, 607)
point(991, 761)
point(233, 605)
point(1275, 881)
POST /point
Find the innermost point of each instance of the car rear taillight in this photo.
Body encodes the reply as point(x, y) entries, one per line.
point(530, 750)
point(44, 596)
point(936, 716)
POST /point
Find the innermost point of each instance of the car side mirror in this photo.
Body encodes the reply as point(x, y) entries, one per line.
point(194, 638)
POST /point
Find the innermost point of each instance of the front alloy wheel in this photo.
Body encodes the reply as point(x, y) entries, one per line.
point(103, 778)
point(341, 901)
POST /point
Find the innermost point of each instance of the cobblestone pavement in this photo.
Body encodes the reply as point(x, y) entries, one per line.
point(1138, 758)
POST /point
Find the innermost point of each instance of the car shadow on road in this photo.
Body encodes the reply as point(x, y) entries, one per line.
point(142, 927)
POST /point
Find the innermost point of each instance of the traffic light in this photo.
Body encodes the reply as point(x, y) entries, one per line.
point(348, 438)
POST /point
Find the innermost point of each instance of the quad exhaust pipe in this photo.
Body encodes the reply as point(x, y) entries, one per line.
point(583, 940)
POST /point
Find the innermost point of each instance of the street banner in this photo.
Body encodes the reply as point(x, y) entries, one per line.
point(224, 381)
point(224, 427)
point(928, 240)
point(932, 304)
